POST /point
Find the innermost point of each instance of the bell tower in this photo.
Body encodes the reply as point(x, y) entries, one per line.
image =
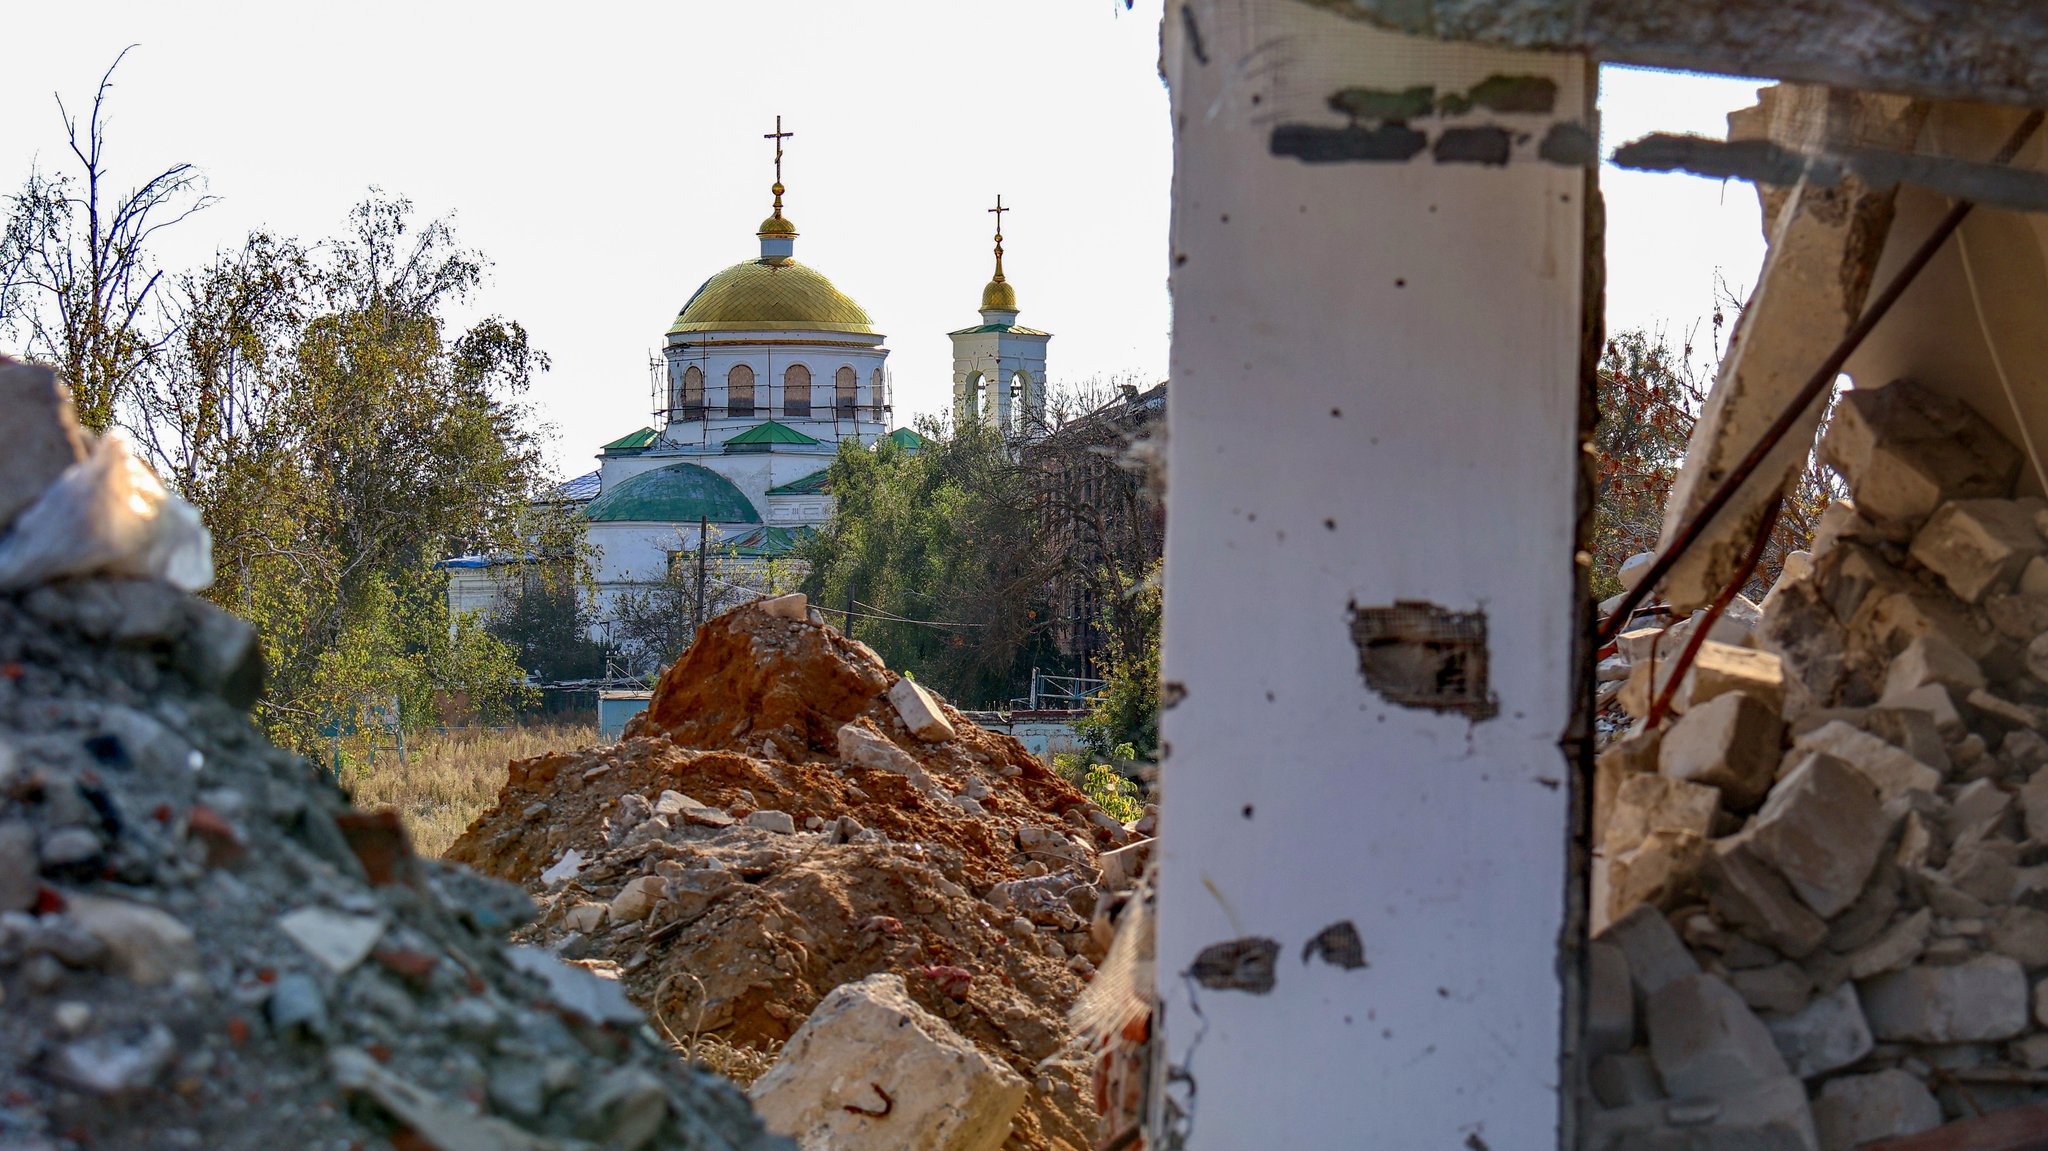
point(998, 366)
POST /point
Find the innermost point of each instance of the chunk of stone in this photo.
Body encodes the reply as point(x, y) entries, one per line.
point(1705, 1040)
point(584, 918)
point(143, 944)
point(1634, 753)
point(114, 1064)
point(1729, 743)
point(1979, 546)
point(1610, 1000)
point(1658, 872)
point(580, 989)
point(1891, 770)
point(780, 822)
point(1781, 988)
point(920, 711)
point(1983, 869)
point(2002, 710)
point(625, 1109)
point(945, 1094)
point(1822, 829)
point(2022, 934)
point(1856, 1109)
point(42, 435)
point(338, 939)
point(636, 899)
point(1936, 702)
point(1719, 668)
point(563, 869)
point(433, 1121)
point(1647, 803)
point(1895, 949)
point(1769, 1116)
point(297, 1009)
point(1828, 1033)
point(1904, 450)
point(794, 606)
point(2034, 805)
point(1891, 619)
point(1979, 808)
point(1931, 659)
point(862, 746)
point(1976, 1000)
point(1748, 892)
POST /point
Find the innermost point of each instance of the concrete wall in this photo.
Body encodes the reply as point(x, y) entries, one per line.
point(1375, 399)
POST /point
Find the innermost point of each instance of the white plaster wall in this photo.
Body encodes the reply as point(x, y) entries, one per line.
point(770, 354)
point(630, 553)
point(1374, 399)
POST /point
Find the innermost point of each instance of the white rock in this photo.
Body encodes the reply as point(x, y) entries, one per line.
point(1856, 1109)
point(637, 899)
point(1633, 568)
point(1822, 828)
point(1656, 956)
point(584, 918)
point(594, 996)
point(945, 1094)
point(1932, 659)
point(1706, 1041)
point(792, 606)
point(1979, 546)
point(1893, 771)
point(1719, 668)
point(1896, 949)
point(1830, 1032)
point(443, 1125)
point(1748, 892)
point(1936, 701)
point(1977, 1000)
point(338, 939)
point(780, 822)
point(113, 1065)
point(920, 711)
point(563, 869)
point(1903, 449)
point(1730, 743)
point(861, 746)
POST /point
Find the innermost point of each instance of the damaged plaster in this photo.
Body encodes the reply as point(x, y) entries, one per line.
point(1416, 654)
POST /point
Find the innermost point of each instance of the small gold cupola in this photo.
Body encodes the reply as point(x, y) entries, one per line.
point(999, 296)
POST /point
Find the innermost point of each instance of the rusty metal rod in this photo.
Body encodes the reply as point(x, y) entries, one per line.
point(1822, 379)
point(1706, 622)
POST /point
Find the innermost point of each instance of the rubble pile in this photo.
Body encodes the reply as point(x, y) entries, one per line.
point(203, 946)
point(1824, 878)
point(790, 821)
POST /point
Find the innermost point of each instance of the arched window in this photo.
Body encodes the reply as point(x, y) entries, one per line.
point(692, 399)
point(796, 391)
point(844, 384)
point(739, 391)
point(878, 390)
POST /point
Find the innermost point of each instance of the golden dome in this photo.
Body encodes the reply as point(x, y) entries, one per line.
point(776, 226)
point(773, 294)
point(999, 294)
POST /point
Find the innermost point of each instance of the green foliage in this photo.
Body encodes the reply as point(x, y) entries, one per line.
point(655, 625)
point(1124, 722)
point(545, 618)
point(1102, 783)
point(944, 552)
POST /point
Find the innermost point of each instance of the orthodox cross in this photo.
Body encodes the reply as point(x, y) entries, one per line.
point(778, 135)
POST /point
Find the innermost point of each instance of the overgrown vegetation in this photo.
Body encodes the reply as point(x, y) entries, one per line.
point(446, 777)
point(337, 429)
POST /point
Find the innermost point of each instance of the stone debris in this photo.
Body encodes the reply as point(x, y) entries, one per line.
point(1838, 838)
point(870, 1070)
point(192, 955)
point(780, 831)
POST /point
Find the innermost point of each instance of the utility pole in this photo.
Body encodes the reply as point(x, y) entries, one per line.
point(703, 537)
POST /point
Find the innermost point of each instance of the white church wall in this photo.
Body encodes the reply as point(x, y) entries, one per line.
point(770, 354)
point(1375, 371)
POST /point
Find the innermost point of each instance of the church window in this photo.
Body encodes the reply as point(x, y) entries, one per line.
point(796, 391)
point(739, 391)
point(692, 398)
point(843, 387)
point(877, 390)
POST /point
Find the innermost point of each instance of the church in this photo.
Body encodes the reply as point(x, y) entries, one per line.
point(766, 371)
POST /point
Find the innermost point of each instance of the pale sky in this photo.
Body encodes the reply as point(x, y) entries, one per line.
point(608, 157)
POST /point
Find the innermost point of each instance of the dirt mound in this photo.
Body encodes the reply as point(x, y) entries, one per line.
point(772, 828)
point(202, 945)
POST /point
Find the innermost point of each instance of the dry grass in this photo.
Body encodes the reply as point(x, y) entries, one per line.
point(742, 1065)
point(450, 777)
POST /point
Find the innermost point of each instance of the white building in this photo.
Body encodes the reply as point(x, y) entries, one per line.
point(769, 369)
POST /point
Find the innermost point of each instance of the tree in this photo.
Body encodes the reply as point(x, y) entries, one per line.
point(546, 620)
point(78, 285)
point(1123, 724)
point(656, 624)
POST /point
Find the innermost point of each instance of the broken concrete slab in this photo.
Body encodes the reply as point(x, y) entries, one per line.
point(1658, 872)
point(1706, 1041)
point(1979, 546)
point(1718, 668)
point(1828, 1033)
point(1822, 829)
point(338, 939)
point(1655, 954)
point(920, 711)
point(1729, 743)
point(942, 1093)
point(1977, 1000)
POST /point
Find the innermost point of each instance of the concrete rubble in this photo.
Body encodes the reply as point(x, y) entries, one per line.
point(193, 955)
point(1827, 866)
point(796, 850)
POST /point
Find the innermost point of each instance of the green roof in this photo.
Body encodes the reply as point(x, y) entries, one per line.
point(1003, 329)
point(906, 439)
point(678, 493)
point(770, 432)
point(768, 543)
point(810, 485)
point(634, 442)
